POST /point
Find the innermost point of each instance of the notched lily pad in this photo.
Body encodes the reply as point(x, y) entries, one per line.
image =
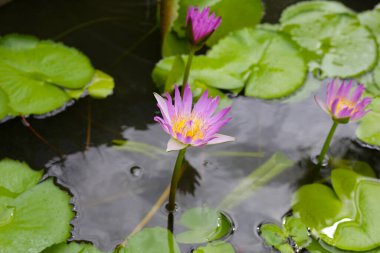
point(216, 247)
point(72, 247)
point(334, 40)
point(32, 216)
point(347, 216)
point(36, 76)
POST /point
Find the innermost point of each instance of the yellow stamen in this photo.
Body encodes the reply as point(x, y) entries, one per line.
point(191, 126)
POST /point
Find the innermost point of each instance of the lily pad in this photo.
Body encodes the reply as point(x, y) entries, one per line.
point(72, 247)
point(336, 44)
point(269, 63)
point(347, 216)
point(304, 11)
point(38, 76)
point(40, 217)
point(275, 237)
point(204, 224)
point(371, 19)
point(369, 129)
point(216, 247)
point(236, 14)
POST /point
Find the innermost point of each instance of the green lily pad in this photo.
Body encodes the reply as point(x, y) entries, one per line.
point(216, 247)
point(236, 14)
point(268, 62)
point(151, 240)
point(336, 44)
point(296, 230)
point(4, 105)
point(101, 85)
point(40, 217)
point(369, 129)
point(275, 237)
point(72, 247)
point(203, 70)
point(40, 76)
point(346, 217)
point(16, 177)
point(371, 19)
point(304, 11)
point(204, 224)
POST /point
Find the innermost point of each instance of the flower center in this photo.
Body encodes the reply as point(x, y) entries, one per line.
point(191, 126)
point(343, 103)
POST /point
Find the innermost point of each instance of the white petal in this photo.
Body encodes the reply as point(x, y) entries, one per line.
point(174, 145)
point(221, 138)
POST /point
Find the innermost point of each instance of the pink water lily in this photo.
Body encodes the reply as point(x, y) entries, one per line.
point(200, 25)
point(188, 125)
point(343, 103)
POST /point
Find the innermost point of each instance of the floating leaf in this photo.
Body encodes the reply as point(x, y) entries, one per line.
point(204, 224)
point(236, 14)
point(39, 76)
point(296, 230)
point(337, 44)
point(216, 247)
point(152, 240)
point(72, 247)
point(347, 218)
point(101, 85)
point(369, 129)
point(304, 11)
point(16, 177)
point(269, 63)
point(41, 218)
point(203, 70)
point(371, 19)
point(274, 236)
point(271, 168)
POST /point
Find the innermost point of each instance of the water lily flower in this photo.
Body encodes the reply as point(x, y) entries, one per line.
point(343, 103)
point(200, 25)
point(191, 126)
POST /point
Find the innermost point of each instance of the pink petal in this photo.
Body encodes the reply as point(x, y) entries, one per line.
point(161, 103)
point(221, 138)
point(174, 145)
point(321, 104)
point(187, 100)
point(177, 101)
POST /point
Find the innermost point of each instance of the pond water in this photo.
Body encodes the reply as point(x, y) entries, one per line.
point(114, 187)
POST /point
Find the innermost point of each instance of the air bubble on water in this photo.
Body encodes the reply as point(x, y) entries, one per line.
point(136, 171)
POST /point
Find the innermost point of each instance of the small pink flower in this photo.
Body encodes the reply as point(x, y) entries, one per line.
point(188, 125)
point(200, 25)
point(343, 103)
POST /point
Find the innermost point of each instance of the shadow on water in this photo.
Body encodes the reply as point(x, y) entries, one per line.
point(115, 186)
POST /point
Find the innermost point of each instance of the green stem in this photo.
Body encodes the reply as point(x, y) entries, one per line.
point(326, 145)
point(187, 70)
point(175, 178)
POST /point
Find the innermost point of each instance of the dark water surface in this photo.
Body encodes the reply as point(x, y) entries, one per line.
point(114, 188)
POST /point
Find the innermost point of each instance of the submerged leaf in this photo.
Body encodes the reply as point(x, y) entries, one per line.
point(152, 240)
point(216, 247)
point(271, 168)
point(204, 224)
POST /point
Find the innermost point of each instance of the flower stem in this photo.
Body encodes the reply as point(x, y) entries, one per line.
point(327, 144)
point(175, 178)
point(187, 70)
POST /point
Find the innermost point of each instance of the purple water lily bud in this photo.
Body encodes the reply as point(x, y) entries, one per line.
point(188, 125)
point(200, 25)
point(343, 102)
